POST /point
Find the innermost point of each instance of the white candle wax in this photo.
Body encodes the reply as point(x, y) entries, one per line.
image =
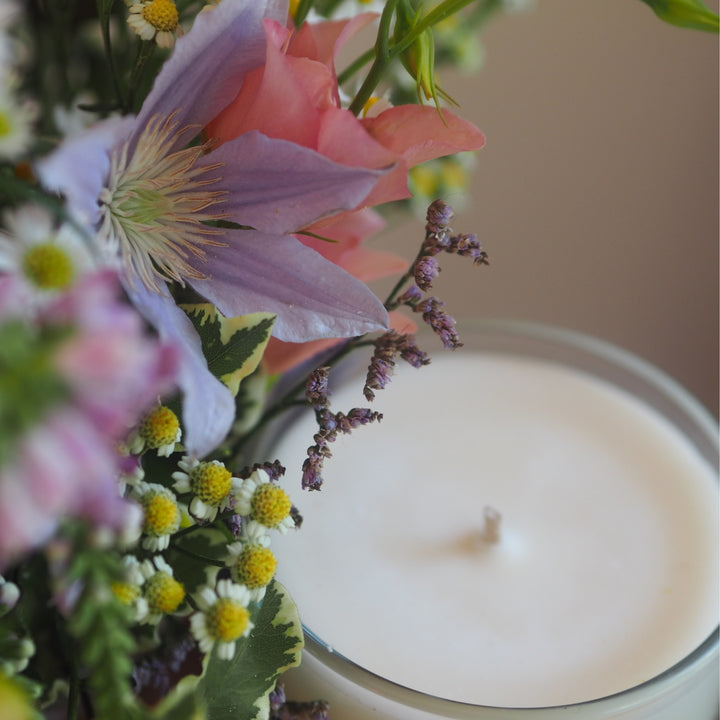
point(604, 573)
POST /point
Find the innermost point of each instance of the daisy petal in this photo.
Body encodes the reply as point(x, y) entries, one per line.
point(312, 297)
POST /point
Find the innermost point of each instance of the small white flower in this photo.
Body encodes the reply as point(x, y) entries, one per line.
point(162, 514)
point(252, 563)
point(129, 589)
point(159, 430)
point(16, 121)
point(156, 19)
point(265, 502)
point(72, 120)
point(163, 593)
point(223, 618)
point(47, 257)
point(9, 595)
point(211, 482)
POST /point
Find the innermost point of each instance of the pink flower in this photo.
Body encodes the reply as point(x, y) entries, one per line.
point(299, 77)
point(106, 371)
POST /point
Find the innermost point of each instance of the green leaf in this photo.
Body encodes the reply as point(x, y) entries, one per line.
point(184, 702)
point(233, 347)
point(100, 624)
point(29, 382)
point(193, 553)
point(691, 14)
point(239, 689)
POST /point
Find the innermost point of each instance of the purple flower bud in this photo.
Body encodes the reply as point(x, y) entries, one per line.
point(411, 297)
point(412, 354)
point(277, 698)
point(468, 246)
point(439, 215)
point(426, 269)
point(312, 470)
point(443, 325)
point(316, 389)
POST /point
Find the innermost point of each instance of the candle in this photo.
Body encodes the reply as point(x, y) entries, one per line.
point(515, 533)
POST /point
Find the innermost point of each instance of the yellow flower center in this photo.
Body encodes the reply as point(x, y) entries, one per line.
point(256, 566)
point(211, 482)
point(294, 5)
point(14, 700)
point(162, 514)
point(164, 593)
point(126, 593)
point(159, 428)
point(227, 620)
point(48, 266)
point(162, 15)
point(5, 125)
point(270, 505)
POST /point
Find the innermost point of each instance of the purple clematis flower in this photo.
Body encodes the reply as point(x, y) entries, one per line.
point(150, 199)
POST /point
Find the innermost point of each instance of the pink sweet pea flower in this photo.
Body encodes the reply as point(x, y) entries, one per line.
point(299, 76)
point(68, 464)
point(160, 209)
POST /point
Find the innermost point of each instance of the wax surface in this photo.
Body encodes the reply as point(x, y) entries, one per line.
point(606, 570)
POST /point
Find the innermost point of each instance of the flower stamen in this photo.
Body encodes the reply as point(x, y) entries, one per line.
point(157, 206)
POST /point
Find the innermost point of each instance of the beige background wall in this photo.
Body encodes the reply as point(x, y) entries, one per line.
point(597, 193)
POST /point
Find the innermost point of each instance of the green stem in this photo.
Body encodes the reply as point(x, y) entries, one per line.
point(355, 66)
point(291, 398)
point(381, 62)
point(197, 556)
point(104, 8)
point(73, 705)
point(302, 12)
point(385, 54)
point(145, 52)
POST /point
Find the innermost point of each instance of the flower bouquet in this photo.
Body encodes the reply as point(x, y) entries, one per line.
point(187, 189)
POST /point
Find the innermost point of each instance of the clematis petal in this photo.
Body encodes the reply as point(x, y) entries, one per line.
point(78, 169)
point(277, 186)
point(280, 357)
point(312, 297)
point(208, 64)
point(208, 406)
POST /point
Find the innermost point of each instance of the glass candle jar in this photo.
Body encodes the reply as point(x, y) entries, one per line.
point(530, 533)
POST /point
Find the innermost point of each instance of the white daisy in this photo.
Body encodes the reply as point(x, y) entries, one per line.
point(158, 19)
point(162, 514)
point(129, 589)
point(223, 618)
point(163, 593)
point(48, 257)
point(265, 502)
point(159, 430)
point(211, 482)
point(16, 121)
point(252, 563)
point(9, 595)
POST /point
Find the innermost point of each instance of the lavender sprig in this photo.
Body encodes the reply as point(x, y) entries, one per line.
point(329, 426)
point(283, 709)
point(425, 268)
point(382, 364)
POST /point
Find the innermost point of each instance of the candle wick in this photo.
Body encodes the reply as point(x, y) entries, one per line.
point(490, 532)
